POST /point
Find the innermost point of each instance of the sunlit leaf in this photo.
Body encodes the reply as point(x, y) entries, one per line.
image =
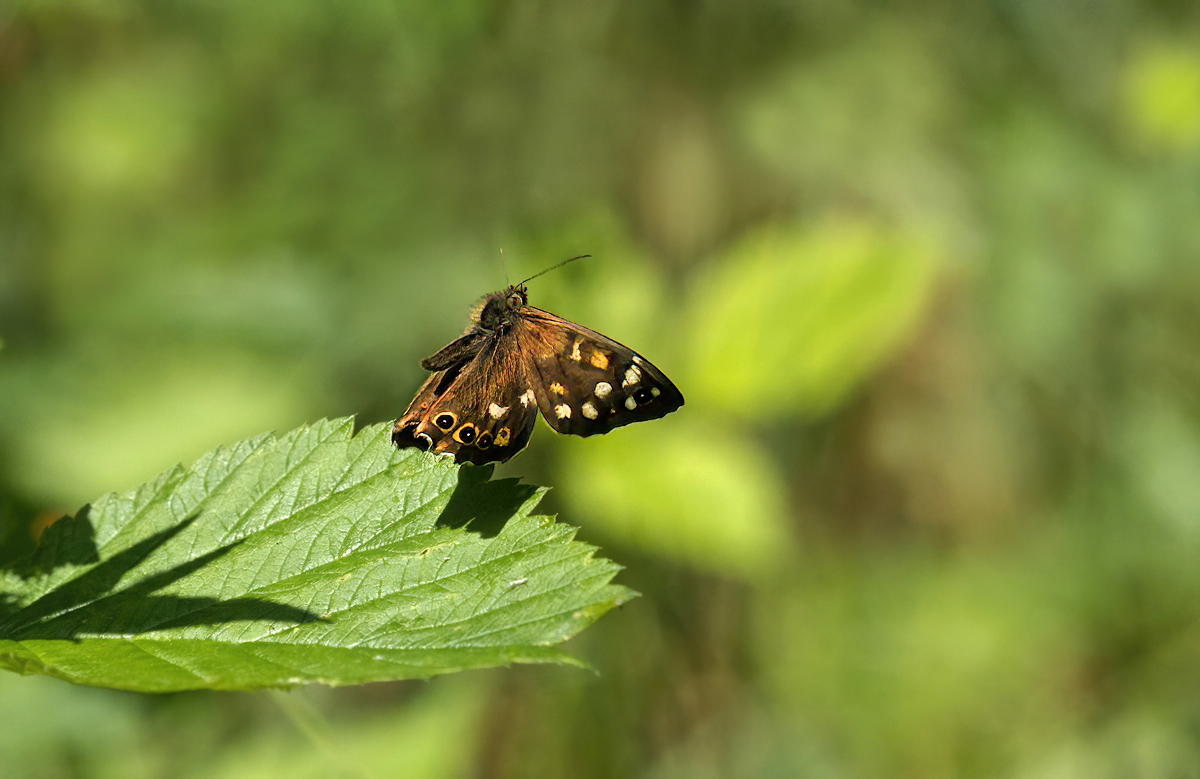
point(316, 556)
point(1162, 96)
point(686, 490)
point(419, 739)
point(793, 319)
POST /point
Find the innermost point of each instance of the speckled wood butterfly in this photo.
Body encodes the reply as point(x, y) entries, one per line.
point(481, 401)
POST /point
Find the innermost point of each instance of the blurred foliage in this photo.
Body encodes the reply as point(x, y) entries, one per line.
point(927, 273)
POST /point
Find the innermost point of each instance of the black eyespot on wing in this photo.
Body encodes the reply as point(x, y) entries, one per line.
point(407, 436)
point(508, 436)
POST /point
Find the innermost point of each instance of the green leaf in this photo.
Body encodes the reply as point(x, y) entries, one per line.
point(318, 556)
point(694, 490)
point(794, 319)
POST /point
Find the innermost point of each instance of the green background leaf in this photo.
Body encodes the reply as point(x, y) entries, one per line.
point(794, 319)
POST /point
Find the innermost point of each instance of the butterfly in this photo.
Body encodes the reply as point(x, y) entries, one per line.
point(481, 402)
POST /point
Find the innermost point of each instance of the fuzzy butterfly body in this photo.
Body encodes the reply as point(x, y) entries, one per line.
point(486, 388)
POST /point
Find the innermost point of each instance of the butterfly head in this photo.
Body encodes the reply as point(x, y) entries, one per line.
point(498, 310)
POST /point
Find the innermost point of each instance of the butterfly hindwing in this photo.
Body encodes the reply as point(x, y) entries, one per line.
point(474, 412)
point(587, 384)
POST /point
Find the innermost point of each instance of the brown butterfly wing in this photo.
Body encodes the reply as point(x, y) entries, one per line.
point(478, 410)
point(586, 383)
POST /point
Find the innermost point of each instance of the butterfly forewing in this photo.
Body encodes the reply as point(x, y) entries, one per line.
point(482, 399)
point(589, 384)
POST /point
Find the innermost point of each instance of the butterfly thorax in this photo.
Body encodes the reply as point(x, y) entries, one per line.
point(497, 312)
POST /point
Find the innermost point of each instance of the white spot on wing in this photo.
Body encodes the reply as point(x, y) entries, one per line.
point(655, 391)
point(562, 411)
point(630, 403)
point(575, 355)
point(527, 398)
point(589, 410)
point(603, 388)
point(495, 411)
point(632, 376)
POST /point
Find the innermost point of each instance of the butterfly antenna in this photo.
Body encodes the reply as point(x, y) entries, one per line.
point(555, 267)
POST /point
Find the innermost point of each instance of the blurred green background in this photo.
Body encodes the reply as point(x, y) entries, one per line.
point(927, 272)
